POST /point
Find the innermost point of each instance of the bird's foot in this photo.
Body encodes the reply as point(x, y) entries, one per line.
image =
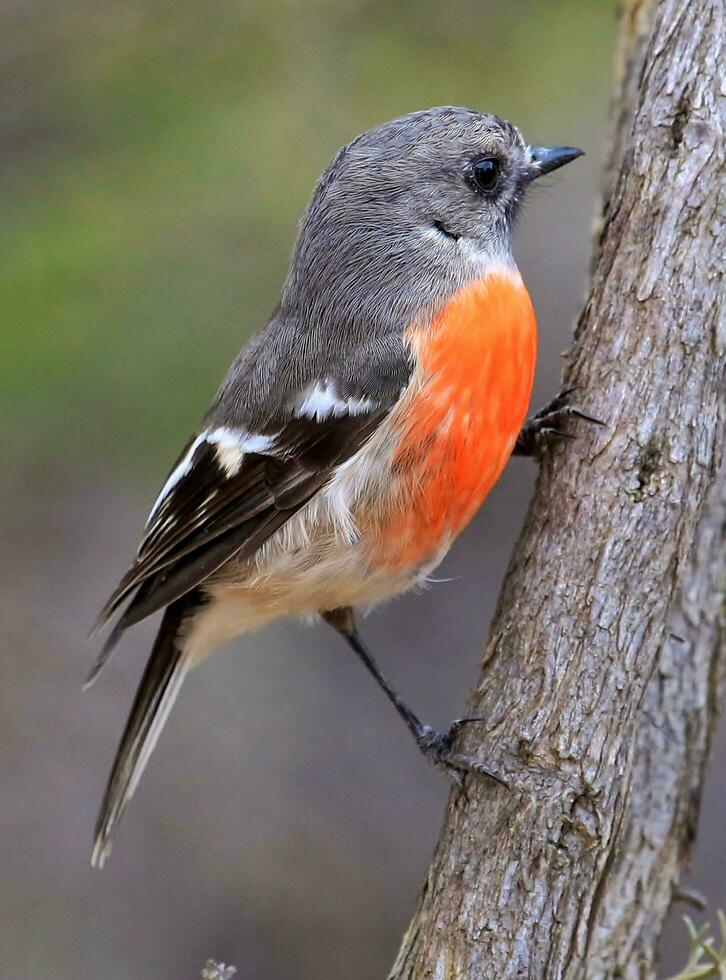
point(438, 748)
point(545, 428)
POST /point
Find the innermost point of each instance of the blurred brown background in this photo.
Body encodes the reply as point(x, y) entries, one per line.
point(154, 158)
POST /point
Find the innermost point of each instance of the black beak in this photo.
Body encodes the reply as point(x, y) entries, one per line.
point(545, 159)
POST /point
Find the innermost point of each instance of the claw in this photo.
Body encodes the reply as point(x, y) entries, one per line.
point(578, 413)
point(550, 432)
point(436, 746)
point(558, 403)
point(544, 427)
point(465, 764)
point(566, 392)
point(460, 723)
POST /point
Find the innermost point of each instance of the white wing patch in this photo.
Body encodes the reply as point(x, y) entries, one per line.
point(231, 448)
point(323, 402)
point(319, 402)
point(176, 474)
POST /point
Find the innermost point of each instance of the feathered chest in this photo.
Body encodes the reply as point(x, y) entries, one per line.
point(469, 398)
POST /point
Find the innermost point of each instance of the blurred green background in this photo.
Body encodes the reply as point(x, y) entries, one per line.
point(154, 160)
point(156, 157)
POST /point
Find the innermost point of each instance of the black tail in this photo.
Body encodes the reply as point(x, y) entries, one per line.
point(155, 697)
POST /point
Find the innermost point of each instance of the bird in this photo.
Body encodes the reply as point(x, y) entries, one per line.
point(360, 429)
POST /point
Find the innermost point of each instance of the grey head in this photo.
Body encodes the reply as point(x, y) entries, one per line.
point(409, 212)
point(404, 216)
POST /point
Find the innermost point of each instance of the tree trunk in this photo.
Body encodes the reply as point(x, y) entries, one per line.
point(600, 680)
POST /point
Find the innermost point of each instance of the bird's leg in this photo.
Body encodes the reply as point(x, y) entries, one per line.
point(544, 429)
point(436, 746)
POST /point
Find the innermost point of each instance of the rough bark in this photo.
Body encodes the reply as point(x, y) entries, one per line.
point(600, 679)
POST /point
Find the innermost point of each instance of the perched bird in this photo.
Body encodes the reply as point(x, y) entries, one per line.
point(361, 428)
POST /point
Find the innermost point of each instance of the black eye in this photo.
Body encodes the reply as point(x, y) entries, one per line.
point(485, 174)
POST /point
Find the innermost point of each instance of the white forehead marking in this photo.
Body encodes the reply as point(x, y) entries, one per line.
point(323, 402)
point(231, 448)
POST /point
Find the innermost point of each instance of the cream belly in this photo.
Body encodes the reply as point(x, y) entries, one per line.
point(322, 558)
point(298, 588)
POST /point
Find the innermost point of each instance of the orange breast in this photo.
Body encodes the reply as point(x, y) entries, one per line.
point(470, 395)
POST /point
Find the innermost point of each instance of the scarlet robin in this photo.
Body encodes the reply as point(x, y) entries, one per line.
point(361, 428)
